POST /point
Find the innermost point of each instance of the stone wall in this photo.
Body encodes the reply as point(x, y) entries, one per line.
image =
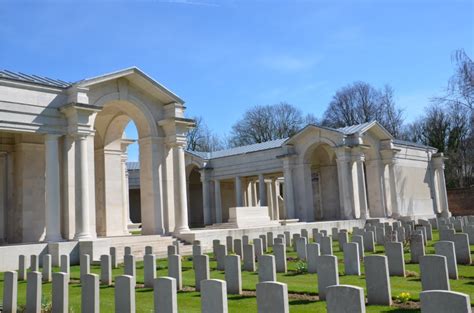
point(461, 201)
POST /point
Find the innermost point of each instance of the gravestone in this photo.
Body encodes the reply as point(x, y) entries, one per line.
point(434, 273)
point(164, 294)
point(10, 292)
point(312, 250)
point(113, 257)
point(238, 247)
point(351, 259)
point(249, 258)
point(22, 267)
point(257, 242)
point(220, 257)
point(287, 238)
point(301, 248)
point(230, 244)
point(171, 250)
point(46, 275)
point(213, 296)
point(270, 239)
point(279, 251)
point(90, 294)
point(105, 270)
point(266, 268)
point(395, 258)
point(446, 248)
point(345, 298)
point(85, 266)
point(461, 246)
point(360, 242)
point(342, 238)
point(443, 301)
point(377, 280)
point(272, 297)
point(149, 270)
point(65, 267)
point(446, 234)
point(264, 243)
point(60, 287)
point(125, 294)
point(327, 274)
point(33, 292)
point(233, 275)
point(129, 265)
point(34, 263)
point(174, 269)
point(417, 247)
point(201, 270)
point(326, 245)
point(380, 235)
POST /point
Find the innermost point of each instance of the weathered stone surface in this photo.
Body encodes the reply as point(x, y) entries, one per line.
point(301, 248)
point(230, 244)
point(90, 294)
point(327, 274)
point(351, 258)
point(149, 270)
point(85, 265)
point(443, 301)
point(201, 269)
point(105, 270)
point(174, 269)
point(60, 298)
point(10, 292)
point(272, 297)
point(125, 294)
point(266, 268)
point(312, 250)
point(446, 234)
point(129, 267)
point(34, 263)
point(257, 243)
point(369, 242)
point(395, 258)
point(377, 280)
point(461, 246)
point(249, 258)
point(213, 296)
point(434, 272)
point(33, 292)
point(113, 257)
point(326, 246)
point(446, 248)
point(233, 275)
point(417, 247)
point(279, 250)
point(342, 238)
point(220, 257)
point(238, 247)
point(360, 241)
point(65, 264)
point(22, 267)
point(165, 297)
point(345, 299)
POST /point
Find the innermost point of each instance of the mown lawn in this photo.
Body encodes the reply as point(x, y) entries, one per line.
point(189, 301)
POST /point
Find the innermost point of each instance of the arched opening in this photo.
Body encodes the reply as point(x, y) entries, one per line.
point(133, 176)
point(321, 160)
point(195, 197)
point(113, 215)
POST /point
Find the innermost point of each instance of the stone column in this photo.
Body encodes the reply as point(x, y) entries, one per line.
point(288, 189)
point(181, 223)
point(125, 188)
point(270, 199)
point(262, 190)
point(83, 231)
point(206, 197)
point(218, 203)
point(344, 180)
point(276, 194)
point(359, 184)
point(52, 189)
point(390, 181)
point(441, 193)
point(238, 191)
point(3, 195)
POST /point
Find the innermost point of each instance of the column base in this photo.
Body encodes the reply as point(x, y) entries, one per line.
point(83, 236)
point(445, 214)
point(56, 238)
point(182, 229)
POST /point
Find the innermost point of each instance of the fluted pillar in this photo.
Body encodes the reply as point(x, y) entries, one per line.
point(181, 214)
point(441, 192)
point(360, 188)
point(83, 231)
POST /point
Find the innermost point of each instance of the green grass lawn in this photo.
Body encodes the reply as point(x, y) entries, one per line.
point(297, 284)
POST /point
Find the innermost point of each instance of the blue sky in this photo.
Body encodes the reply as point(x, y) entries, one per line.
point(223, 57)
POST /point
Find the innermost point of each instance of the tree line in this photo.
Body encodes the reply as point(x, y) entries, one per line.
point(446, 124)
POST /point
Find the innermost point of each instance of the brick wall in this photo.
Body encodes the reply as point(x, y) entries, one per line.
point(461, 201)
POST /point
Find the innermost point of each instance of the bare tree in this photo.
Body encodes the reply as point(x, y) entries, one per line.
point(359, 103)
point(460, 88)
point(267, 122)
point(201, 138)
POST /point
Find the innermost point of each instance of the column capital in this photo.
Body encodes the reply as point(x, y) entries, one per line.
point(438, 160)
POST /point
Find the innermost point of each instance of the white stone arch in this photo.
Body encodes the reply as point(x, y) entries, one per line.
point(110, 122)
point(321, 179)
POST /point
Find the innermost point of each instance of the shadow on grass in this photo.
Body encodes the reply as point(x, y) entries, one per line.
point(240, 297)
point(395, 310)
point(300, 302)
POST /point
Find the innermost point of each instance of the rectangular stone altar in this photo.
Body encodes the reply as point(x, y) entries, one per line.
point(250, 217)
